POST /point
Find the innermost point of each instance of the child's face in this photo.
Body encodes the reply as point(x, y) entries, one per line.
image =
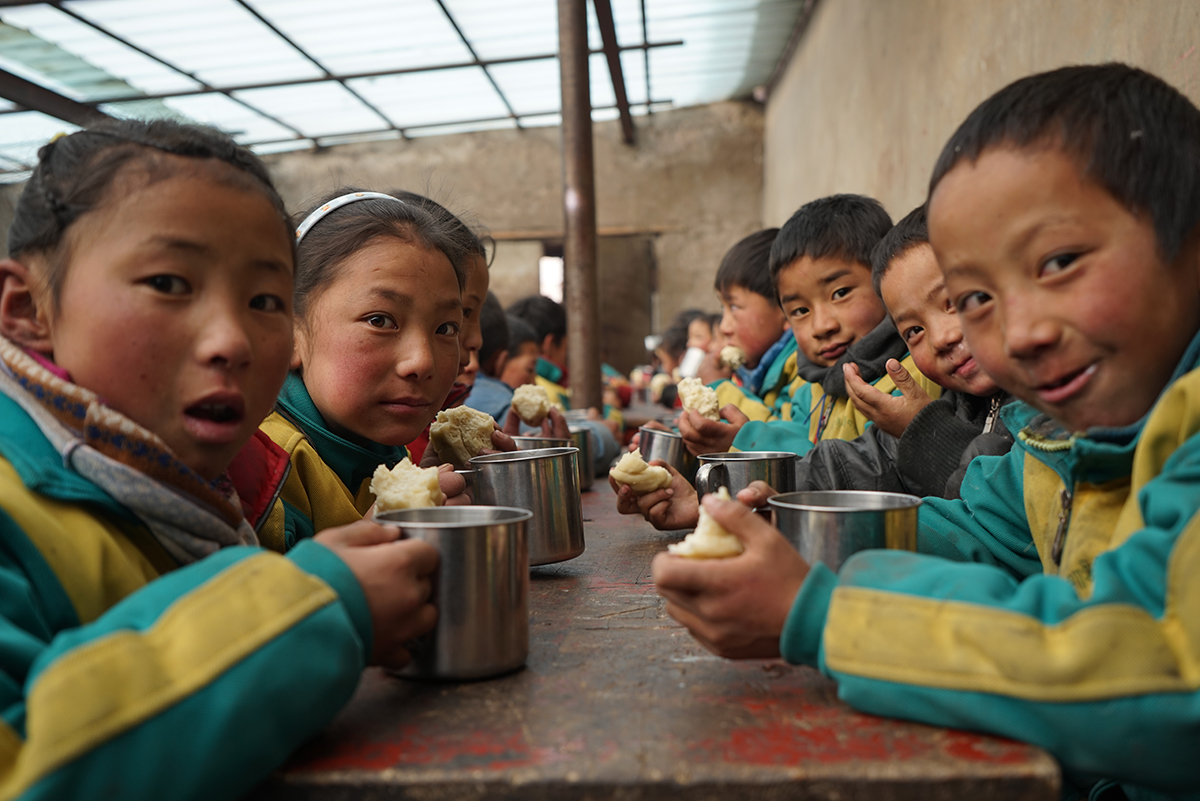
point(176, 309)
point(475, 290)
point(914, 292)
point(830, 304)
point(379, 348)
point(521, 368)
point(1063, 294)
point(699, 334)
point(750, 321)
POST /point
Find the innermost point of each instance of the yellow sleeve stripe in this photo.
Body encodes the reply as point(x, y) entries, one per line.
point(1099, 652)
point(97, 691)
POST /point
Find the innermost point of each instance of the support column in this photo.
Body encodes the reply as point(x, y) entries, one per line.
point(579, 208)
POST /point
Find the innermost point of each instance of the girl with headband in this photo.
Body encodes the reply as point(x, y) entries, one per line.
point(378, 315)
point(145, 330)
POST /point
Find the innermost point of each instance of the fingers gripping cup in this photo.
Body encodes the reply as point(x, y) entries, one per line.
point(545, 482)
point(832, 525)
point(480, 590)
point(736, 470)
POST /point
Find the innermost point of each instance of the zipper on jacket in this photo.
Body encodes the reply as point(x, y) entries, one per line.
point(1060, 534)
point(993, 413)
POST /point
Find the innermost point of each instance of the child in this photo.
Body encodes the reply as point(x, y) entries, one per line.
point(378, 317)
point(821, 266)
point(523, 353)
point(925, 457)
point(1053, 603)
point(753, 322)
point(490, 394)
point(151, 651)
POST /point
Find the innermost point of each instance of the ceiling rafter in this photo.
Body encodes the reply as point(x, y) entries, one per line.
point(470, 49)
point(612, 53)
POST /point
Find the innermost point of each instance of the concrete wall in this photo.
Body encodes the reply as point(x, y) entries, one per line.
point(693, 181)
point(876, 87)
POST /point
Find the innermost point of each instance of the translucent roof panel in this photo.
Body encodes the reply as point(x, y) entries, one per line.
point(315, 109)
point(70, 47)
point(218, 41)
point(508, 29)
point(285, 74)
point(430, 98)
point(368, 35)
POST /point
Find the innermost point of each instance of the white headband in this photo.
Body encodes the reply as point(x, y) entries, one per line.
point(336, 203)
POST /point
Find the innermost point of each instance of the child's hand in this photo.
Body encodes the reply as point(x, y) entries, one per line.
point(734, 607)
point(701, 435)
point(395, 576)
point(673, 507)
point(555, 425)
point(453, 486)
point(890, 412)
point(502, 442)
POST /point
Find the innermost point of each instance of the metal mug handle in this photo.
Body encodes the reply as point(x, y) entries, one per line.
point(710, 477)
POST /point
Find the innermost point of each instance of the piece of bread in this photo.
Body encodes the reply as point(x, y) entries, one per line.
point(694, 395)
point(461, 433)
point(531, 403)
point(634, 472)
point(406, 486)
point(659, 382)
point(709, 540)
point(732, 357)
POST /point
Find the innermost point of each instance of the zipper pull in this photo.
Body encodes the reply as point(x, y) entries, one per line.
point(1060, 534)
point(993, 413)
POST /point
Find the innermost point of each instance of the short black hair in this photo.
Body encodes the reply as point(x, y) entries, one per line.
point(674, 340)
point(842, 227)
point(494, 328)
point(746, 265)
point(547, 317)
point(520, 332)
point(906, 234)
point(1130, 132)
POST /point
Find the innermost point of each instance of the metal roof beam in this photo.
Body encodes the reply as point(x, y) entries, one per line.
point(470, 49)
point(38, 98)
point(612, 53)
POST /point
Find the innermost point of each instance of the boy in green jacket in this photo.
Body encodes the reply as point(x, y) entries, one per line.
point(1057, 602)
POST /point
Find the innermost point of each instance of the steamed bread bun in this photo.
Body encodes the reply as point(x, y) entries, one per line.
point(694, 395)
point(460, 434)
point(633, 471)
point(405, 486)
point(531, 403)
point(709, 540)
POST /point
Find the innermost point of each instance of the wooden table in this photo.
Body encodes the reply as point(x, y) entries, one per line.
point(618, 702)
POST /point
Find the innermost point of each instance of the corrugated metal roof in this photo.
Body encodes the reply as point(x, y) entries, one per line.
point(288, 74)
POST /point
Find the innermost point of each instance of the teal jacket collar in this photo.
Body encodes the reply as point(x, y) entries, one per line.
point(353, 462)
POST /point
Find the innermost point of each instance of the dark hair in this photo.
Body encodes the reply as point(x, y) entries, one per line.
point(906, 234)
point(714, 321)
point(520, 332)
point(1130, 132)
point(842, 227)
point(688, 316)
point(472, 241)
point(545, 316)
point(493, 327)
point(75, 175)
point(674, 340)
point(746, 265)
point(346, 230)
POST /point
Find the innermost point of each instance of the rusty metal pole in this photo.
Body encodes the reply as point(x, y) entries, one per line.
point(579, 207)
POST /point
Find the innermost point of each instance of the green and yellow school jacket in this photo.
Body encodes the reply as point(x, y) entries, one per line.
point(1058, 602)
point(761, 396)
point(123, 674)
point(329, 482)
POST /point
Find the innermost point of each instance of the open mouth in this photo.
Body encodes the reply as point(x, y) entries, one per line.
point(215, 412)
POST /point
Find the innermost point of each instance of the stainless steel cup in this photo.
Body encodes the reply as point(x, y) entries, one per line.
point(480, 589)
point(546, 482)
point(534, 443)
point(737, 470)
point(655, 443)
point(582, 440)
point(830, 526)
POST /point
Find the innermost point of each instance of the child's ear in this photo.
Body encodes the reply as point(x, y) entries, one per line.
point(299, 346)
point(21, 317)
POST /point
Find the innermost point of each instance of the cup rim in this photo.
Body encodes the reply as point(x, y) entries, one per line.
point(795, 500)
point(748, 456)
point(660, 432)
point(524, 438)
point(520, 456)
point(515, 515)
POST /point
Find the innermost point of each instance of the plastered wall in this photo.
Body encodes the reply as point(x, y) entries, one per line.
point(877, 86)
point(693, 182)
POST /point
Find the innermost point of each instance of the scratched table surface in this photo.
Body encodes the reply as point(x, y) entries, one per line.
point(617, 701)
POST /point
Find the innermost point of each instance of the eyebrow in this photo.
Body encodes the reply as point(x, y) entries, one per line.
point(401, 299)
point(187, 246)
point(833, 276)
